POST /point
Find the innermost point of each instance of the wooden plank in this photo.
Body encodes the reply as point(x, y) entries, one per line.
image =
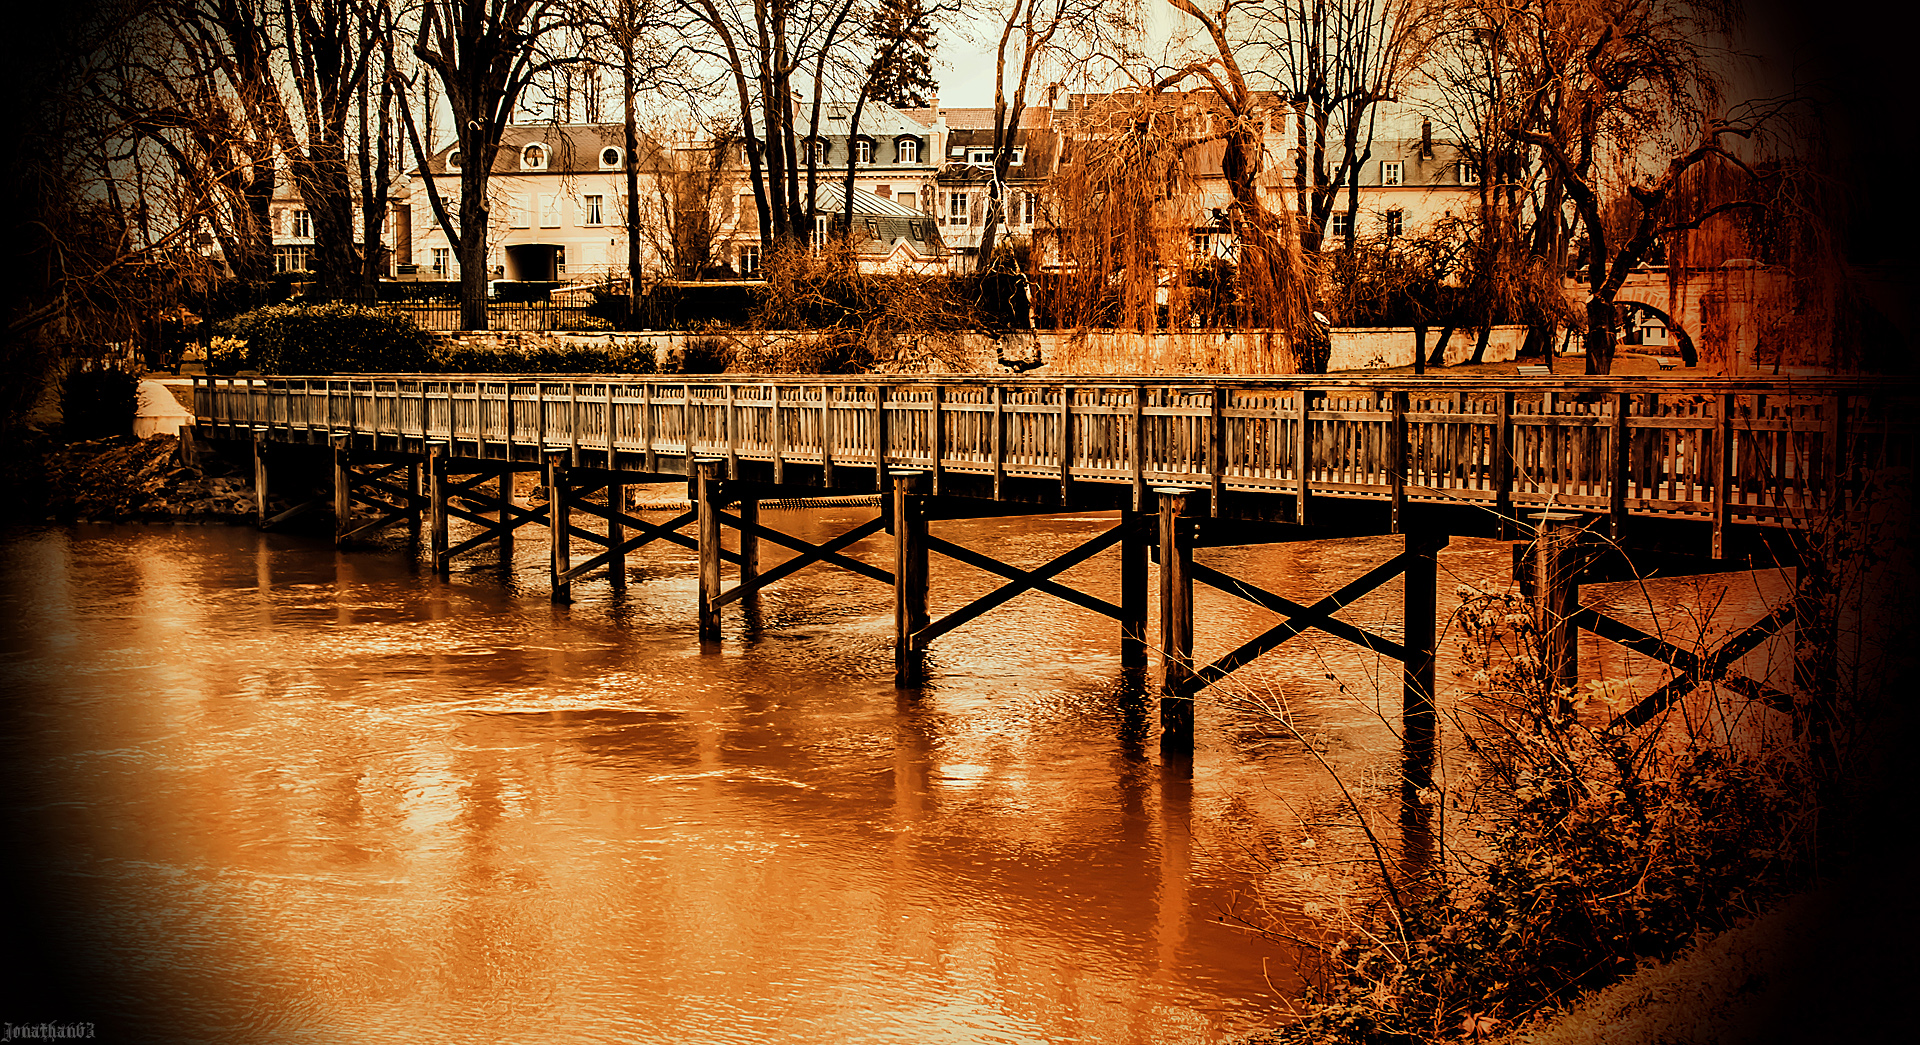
point(1216, 449)
point(779, 441)
point(1722, 473)
point(939, 437)
point(1302, 456)
point(999, 438)
point(1397, 463)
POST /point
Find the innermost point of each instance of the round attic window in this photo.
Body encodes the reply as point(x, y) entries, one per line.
point(610, 157)
point(453, 160)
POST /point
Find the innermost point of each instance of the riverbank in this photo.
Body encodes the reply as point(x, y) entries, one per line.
point(126, 479)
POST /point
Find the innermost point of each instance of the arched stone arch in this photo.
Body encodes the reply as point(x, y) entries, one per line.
point(1688, 354)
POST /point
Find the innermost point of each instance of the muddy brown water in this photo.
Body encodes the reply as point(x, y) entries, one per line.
point(279, 793)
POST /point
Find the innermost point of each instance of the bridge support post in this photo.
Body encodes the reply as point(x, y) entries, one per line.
point(1176, 623)
point(1420, 602)
point(1134, 543)
point(616, 534)
point(342, 489)
point(1554, 573)
point(416, 484)
point(909, 576)
point(259, 477)
point(437, 507)
point(559, 513)
point(507, 480)
point(706, 490)
point(750, 551)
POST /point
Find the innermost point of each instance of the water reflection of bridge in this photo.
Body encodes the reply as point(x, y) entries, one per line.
point(1683, 475)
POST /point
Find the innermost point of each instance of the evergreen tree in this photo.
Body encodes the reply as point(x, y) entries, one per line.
point(902, 75)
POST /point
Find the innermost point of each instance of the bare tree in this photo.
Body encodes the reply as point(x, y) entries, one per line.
point(1034, 36)
point(485, 53)
point(688, 178)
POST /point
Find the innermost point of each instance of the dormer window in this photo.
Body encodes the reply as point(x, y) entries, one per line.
point(1392, 172)
point(862, 151)
point(534, 158)
point(817, 151)
point(907, 150)
point(610, 158)
point(980, 157)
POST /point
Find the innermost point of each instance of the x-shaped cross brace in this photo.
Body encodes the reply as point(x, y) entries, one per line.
point(1693, 668)
point(1299, 618)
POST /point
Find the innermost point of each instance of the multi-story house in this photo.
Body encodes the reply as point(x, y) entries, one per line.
point(557, 206)
point(964, 183)
point(895, 157)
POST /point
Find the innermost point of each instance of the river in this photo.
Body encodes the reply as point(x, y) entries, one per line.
point(280, 793)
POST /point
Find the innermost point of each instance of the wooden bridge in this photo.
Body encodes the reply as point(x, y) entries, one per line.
point(1687, 474)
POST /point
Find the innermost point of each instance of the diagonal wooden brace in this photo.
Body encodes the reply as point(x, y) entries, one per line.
point(810, 554)
point(1712, 668)
point(1020, 582)
point(1315, 616)
point(1300, 618)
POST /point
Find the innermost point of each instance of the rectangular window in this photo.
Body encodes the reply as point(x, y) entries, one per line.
point(442, 261)
point(594, 210)
point(518, 207)
point(1392, 172)
point(1396, 222)
point(1026, 208)
point(1469, 174)
point(1019, 157)
point(980, 157)
point(907, 150)
point(820, 230)
point(1339, 227)
point(863, 152)
point(549, 211)
point(302, 225)
point(957, 209)
point(1202, 244)
point(293, 259)
point(749, 258)
point(559, 261)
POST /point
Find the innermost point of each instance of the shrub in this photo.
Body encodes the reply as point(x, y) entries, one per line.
point(705, 355)
point(612, 359)
point(330, 338)
point(99, 404)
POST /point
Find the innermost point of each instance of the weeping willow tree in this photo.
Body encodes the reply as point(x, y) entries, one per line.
point(1156, 182)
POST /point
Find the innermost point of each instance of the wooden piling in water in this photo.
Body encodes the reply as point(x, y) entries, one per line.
point(1555, 575)
point(1176, 623)
point(707, 503)
point(1134, 543)
point(910, 576)
point(437, 506)
point(1419, 605)
point(749, 551)
point(559, 542)
point(342, 489)
point(259, 477)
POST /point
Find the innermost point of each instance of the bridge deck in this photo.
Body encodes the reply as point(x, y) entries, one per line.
point(1748, 451)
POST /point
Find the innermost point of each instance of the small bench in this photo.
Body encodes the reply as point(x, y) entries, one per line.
point(1535, 370)
point(1666, 362)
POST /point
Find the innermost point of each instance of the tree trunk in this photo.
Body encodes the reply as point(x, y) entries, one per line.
point(473, 240)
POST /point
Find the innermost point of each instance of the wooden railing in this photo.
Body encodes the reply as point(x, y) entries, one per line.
point(1747, 450)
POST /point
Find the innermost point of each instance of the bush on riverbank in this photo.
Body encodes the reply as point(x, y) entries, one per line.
point(1578, 853)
